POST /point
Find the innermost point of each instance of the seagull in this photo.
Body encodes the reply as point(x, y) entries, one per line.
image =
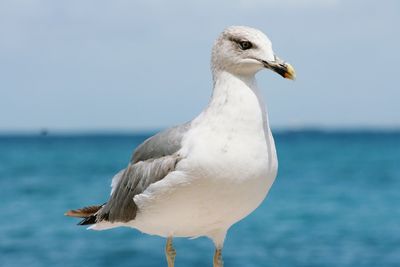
point(201, 177)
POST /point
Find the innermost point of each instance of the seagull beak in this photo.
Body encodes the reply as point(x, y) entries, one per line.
point(281, 67)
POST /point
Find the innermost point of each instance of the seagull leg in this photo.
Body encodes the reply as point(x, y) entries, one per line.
point(170, 252)
point(218, 258)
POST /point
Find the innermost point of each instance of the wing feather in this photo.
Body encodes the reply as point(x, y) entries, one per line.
point(154, 159)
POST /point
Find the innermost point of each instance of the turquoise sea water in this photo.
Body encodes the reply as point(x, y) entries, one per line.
point(336, 202)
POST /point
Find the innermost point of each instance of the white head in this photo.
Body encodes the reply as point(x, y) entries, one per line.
point(244, 51)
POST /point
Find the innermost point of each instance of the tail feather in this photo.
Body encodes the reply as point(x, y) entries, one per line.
point(87, 213)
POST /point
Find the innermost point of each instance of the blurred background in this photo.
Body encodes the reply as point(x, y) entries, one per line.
point(82, 83)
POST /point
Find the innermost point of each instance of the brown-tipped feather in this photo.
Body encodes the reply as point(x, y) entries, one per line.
point(83, 212)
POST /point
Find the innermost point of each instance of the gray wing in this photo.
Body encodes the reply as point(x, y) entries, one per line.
point(164, 143)
point(151, 162)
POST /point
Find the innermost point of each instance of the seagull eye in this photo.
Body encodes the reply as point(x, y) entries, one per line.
point(244, 45)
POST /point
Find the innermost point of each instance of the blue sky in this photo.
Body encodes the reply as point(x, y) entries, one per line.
point(128, 65)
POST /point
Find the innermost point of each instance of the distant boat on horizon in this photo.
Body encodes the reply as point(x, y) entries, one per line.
point(44, 132)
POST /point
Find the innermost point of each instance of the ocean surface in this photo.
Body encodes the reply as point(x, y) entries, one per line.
point(335, 202)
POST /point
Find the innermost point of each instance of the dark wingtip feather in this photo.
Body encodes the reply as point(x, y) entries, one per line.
point(87, 213)
point(88, 220)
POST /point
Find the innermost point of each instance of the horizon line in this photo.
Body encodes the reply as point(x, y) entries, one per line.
point(279, 130)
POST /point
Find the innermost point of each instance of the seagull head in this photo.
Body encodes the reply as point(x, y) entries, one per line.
point(244, 51)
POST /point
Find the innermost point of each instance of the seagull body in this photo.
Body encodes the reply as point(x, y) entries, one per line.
point(228, 163)
point(199, 178)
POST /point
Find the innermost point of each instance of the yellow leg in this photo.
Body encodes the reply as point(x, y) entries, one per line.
point(218, 258)
point(170, 252)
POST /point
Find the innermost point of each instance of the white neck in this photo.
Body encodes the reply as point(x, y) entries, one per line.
point(237, 97)
point(236, 117)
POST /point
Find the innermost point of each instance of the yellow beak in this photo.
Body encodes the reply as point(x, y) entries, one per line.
point(281, 67)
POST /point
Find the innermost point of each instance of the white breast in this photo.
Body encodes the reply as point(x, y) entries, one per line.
point(228, 167)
